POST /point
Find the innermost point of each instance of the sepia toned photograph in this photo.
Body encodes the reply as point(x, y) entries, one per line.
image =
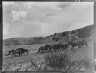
point(48, 36)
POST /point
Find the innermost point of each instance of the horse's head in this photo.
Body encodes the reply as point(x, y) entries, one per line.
point(8, 54)
point(11, 52)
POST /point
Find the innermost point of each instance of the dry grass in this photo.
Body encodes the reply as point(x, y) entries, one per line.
point(36, 62)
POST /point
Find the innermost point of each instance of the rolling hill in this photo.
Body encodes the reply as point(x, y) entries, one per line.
point(62, 37)
point(33, 44)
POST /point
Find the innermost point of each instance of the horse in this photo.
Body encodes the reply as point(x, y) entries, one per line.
point(47, 48)
point(25, 50)
point(83, 42)
point(12, 53)
point(51, 48)
point(22, 51)
point(41, 49)
point(74, 45)
point(19, 52)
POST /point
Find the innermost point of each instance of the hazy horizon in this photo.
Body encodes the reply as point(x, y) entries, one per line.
point(38, 19)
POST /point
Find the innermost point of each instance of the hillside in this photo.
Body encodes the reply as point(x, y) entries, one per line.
point(62, 37)
point(82, 57)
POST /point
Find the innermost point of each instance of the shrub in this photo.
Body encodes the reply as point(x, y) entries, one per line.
point(40, 66)
point(84, 62)
point(57, 61)
point(81, 65)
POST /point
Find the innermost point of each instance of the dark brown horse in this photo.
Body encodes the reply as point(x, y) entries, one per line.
point(17, 52)
point(22, 51)
point(12, 53)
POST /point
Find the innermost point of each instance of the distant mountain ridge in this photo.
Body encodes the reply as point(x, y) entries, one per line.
point(62, 37)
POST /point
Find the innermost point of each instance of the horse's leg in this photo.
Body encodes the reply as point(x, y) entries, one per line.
point(12, 55)
point(27, 52)
point(23, 53)
point(86, 44)
point(18, 54)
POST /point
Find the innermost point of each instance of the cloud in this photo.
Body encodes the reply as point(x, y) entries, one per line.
point(31, 29)
point(45, 28)
point(43, 5)
point(64, 4)
point(48, 28)
point(23, 13)
point(8, 3)
point(5, 29)
point(52, 5)
point(16, 15)
point(45, 18)
point(30, 4)
point(82, 4)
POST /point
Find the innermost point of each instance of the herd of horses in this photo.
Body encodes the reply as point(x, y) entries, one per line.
point(17, 52)
point(61, 47)
point(48, 48)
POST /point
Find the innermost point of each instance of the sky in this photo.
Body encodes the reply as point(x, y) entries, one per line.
point(34, 19)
